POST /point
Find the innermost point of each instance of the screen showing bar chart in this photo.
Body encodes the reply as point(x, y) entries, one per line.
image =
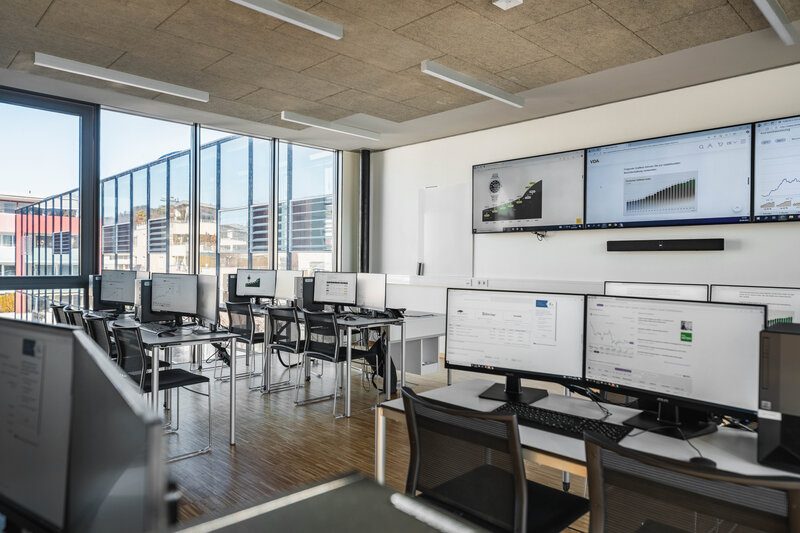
point(777, 170)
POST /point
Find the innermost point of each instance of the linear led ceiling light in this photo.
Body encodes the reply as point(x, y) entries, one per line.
point(295, 16)
point(777, 18)
point(297, 118)
point(462, 80)
point(92, 71)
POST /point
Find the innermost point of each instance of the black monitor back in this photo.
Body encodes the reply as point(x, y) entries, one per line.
point(232, 296)
point(143, 297)
point(305, 298)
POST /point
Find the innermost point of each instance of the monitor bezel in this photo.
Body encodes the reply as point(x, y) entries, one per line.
point(706, 285)
point(517, 229)
point(118, 302)
point(667, 223)
point(507, 372)
point(355, 291)
point(199, 315)
point(244, 295)
point(753, 216)
point(664, 398)
point(171, 311)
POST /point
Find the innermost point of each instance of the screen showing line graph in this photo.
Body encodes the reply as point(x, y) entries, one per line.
point(777, 170)
point(693, 178)
point(536, 193)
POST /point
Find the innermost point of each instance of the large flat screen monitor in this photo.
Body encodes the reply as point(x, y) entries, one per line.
point(208, 299)
point(776, 181)
point(516, 334)
point(258, 283)
point(535, 193)
point(695, 355)
point(693, 178)
point(285, 284)
point(667, 291)
point(118, 286)
point(371, 291)
point(783, 303)
point(174, 293)
point(335, 288)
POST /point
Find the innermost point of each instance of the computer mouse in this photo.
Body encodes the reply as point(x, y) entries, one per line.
point(703, 461)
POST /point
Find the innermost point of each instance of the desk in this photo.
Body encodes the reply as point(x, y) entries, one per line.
point(732, 449)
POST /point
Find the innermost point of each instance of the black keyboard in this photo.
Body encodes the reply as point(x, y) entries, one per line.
point(561, 423)
point(158, 328)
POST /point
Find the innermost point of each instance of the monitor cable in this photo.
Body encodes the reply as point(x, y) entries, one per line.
point(593, 396)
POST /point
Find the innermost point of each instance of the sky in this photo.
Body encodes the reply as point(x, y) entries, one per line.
point(39, 149)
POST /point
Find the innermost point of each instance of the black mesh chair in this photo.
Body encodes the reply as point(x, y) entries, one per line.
point(74, 317)
point(242, 323)
point(137, 365)
point(58, 314)
point(284, 338)
point(633, 491)
point(470, 464)
point(97, 327)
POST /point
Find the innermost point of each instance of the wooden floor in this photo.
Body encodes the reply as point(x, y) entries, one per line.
point(281, 447)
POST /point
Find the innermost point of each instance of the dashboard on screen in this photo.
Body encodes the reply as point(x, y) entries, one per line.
point(693, 178)
point(535, 193)
point(777, 170)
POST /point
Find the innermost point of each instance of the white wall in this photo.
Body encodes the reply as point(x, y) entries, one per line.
point(766, 253)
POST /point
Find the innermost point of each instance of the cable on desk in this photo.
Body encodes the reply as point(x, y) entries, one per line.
point(584, 391)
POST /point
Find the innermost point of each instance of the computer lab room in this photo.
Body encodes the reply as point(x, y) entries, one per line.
point(400, 266)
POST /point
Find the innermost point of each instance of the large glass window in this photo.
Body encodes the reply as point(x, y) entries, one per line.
point(145, 176)
point(306, 178)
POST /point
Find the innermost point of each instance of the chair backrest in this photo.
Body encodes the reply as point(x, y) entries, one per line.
point(284, 328)
point(467, 461)
point(322, 334)
point(58, 314)
point(131, 356)
point(240, 319)
point(631, 489)
point(97, 328)
point(74, 316)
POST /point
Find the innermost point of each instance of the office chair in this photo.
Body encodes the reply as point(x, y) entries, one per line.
point(636, 491)
point(283, 337)
point(97, 327)
point(58, 313)
point(242, 323)
point(74, 317)
point(137, 365)
point(470, 464)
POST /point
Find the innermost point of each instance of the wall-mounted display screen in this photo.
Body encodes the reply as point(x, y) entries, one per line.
point(536, 193)
point(693, 178)
point(777, 170)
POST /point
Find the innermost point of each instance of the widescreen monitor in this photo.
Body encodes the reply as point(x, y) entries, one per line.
point(516, 334)
point(285, 284)
point(118, 286)
point(335, 288)
point(696, 355)
point(693, 178)
point(783, 303)
point(667, 291)
point(371, 291)
point(535, 193)
point(776, 181)
point(208, 299)
point(174, 293)
point(258, 283)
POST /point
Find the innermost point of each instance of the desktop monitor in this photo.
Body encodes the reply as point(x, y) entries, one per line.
point(371, 291)
point(783, 303)
point(776, 184)
point(207, 299)
point(285, 284)
point(692, 178)
point(174, 293)
point(117, 286)
point(694, 358)
point(531, 335)
point(335, 288)
point(544, 192)
point(258, 283)
point(666, 291)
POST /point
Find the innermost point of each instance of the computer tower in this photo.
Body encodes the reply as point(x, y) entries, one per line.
point(143, 294)
point(232, 296)
point(305, 296)
point(779, 403)
point(94, 292)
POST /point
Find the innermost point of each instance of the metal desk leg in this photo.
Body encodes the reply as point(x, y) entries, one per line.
point(346, 372)
point(154, 359)
point(402, 354)
point(449, 377)
point(380, 446)
point(232, 382)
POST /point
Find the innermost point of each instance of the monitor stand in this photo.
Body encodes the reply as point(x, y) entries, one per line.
point(672, 421)
point(513, 391)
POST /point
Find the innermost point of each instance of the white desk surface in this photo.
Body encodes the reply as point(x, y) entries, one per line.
point(732, 449)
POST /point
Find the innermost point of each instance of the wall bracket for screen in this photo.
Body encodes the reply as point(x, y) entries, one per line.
point(666, 245)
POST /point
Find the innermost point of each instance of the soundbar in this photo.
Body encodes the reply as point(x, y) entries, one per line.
point(666, 245)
